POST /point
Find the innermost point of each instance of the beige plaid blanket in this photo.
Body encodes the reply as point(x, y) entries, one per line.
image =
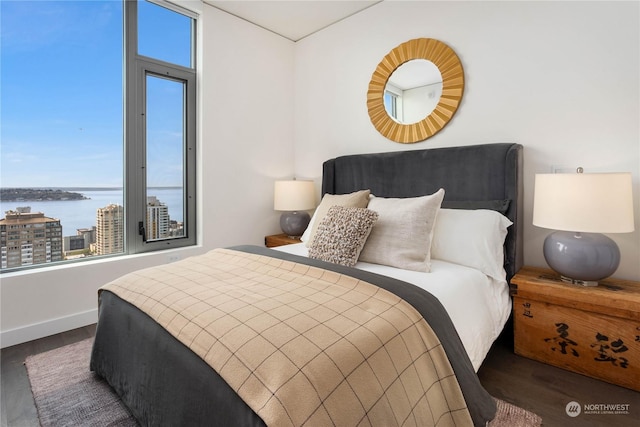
point(302, 345)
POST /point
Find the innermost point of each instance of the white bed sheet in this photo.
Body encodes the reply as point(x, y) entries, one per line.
point(478, 305)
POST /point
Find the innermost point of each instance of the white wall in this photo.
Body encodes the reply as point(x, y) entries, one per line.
point(419, 102)
point(247, 137)
point(245, 142)
point(561, 78)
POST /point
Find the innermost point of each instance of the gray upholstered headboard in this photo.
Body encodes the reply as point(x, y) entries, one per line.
point(476, 176)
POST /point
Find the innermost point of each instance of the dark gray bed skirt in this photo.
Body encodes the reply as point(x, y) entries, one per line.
point(180, 389)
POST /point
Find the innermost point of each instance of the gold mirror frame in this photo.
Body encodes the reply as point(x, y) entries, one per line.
point(452, 88)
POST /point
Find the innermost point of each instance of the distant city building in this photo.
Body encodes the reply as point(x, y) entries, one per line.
point(89, 234)
point(110, 230)
point(83, 240)
point(157, 219)
point(176, 228)
point(28, 238)
point(73, 243)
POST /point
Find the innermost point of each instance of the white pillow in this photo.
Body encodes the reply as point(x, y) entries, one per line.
point(357, 199)
point(402, 235)
point(474, 238)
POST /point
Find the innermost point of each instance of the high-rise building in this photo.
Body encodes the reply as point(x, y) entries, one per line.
point(110, 230)
point(157, 219)
point(28, 238)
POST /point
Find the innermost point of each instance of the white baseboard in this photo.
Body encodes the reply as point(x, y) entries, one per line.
point(49, 327)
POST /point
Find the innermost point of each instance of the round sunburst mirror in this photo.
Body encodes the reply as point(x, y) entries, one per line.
point(422, 71)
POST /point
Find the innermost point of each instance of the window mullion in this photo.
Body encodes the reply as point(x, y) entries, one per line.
point(134, 133)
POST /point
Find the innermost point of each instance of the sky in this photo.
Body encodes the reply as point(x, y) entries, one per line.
point(61, 116)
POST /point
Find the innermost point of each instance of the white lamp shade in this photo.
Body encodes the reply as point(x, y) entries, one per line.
point(294, 195)
point(584, 202)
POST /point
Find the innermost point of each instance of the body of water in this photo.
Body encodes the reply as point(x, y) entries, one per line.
point(75, 214)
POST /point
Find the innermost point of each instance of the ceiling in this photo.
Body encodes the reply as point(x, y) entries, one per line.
point(293, 20)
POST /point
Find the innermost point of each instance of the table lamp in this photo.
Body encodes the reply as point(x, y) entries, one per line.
point(294, 198)
point(582, 206)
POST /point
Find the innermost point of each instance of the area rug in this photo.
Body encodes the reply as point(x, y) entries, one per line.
point(68, 394)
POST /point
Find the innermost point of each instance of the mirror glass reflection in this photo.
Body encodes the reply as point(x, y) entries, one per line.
point(413, 91)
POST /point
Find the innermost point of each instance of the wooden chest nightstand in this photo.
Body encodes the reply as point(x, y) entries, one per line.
point(594, 331)
point(279, 240)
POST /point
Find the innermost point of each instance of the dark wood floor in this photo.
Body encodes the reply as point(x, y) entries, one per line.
point(546, 390)
point(535, 386)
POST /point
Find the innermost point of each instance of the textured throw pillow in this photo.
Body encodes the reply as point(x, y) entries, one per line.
point(402, 235)
point(474, 238)
point(357, 199)
point(341, 235)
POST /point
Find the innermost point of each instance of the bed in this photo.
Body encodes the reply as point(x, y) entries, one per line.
point(170, 371)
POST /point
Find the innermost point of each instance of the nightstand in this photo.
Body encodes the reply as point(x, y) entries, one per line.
point(280, 240)
point(594, 331)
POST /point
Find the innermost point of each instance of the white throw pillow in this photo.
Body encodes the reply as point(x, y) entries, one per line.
point(402, 235)
point(357, 199)
point(474, 238)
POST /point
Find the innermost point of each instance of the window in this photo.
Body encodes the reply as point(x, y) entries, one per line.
point(391, 104)
point(160, 126)
point(98, 129)
point(173, 43)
